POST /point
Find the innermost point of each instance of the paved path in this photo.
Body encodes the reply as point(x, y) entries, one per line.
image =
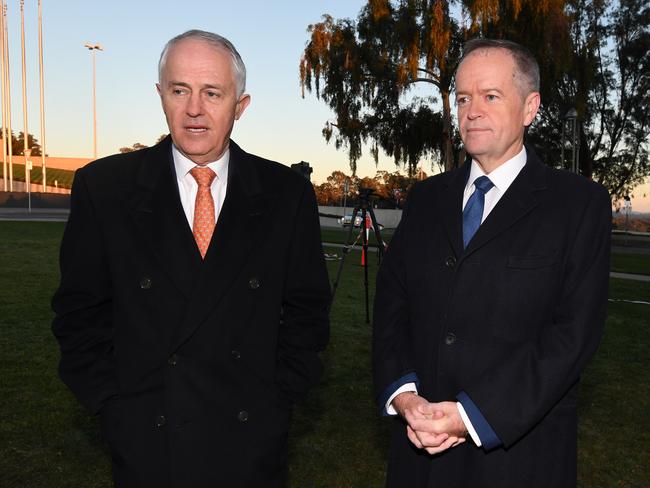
point(629, 276)
point(36, 215)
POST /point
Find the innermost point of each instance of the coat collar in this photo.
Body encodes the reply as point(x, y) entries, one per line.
point(239, 227)
point(520, 198)
point(159, 215)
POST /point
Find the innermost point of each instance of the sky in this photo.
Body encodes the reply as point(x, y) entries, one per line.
point(270, 36)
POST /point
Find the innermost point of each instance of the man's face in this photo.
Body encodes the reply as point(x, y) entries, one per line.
point(199, 97)
point(493, 111)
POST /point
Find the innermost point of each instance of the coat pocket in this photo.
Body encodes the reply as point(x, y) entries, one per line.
point(531, 262)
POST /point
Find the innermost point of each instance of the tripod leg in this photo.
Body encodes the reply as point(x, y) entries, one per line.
point(365, 262)
point(380, 240)
point(346, 250)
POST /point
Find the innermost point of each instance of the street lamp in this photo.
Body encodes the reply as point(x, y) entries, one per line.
point(573, 132)
point(93, 48)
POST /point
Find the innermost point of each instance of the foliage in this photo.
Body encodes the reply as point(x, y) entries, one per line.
point(18, 144)
point(594, 56)
point(389, 188)
point(137, 146)
point(368, 69)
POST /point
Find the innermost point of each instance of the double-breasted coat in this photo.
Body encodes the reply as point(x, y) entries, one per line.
point(511, 320)
point(192, 364)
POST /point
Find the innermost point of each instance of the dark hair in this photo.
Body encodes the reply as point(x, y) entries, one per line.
point(527, 69)
point(214, 40)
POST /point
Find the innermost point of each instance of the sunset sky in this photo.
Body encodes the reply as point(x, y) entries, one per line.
point(270, 36)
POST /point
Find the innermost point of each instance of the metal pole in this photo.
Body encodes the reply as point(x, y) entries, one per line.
point(25, 128)
point(563, 143)
point(577, 146)
point(94, 108)
point(572, 135)
point(40, 71)
point(7, 79)
point(4, 96)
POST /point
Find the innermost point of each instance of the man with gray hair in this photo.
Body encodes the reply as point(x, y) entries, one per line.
point(194, 295)
point(491, 298)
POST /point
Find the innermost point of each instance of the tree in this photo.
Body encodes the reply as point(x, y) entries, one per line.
point(369, 68)
point(18, 144)
point(593, 57)
point(136, 147)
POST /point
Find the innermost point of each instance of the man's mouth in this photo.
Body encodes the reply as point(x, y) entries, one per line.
point(195, 129)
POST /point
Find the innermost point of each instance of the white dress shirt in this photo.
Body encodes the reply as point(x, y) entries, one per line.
point(502, 177)
point(188, 187)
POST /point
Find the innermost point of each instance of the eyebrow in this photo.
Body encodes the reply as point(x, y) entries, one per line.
point(482, 90)
point(187, 85)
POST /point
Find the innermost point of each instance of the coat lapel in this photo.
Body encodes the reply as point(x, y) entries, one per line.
point(159, 215)
point(236, 232)
point(451, 203)
point(518, 201)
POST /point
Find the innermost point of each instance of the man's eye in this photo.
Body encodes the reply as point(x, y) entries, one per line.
point(178, 91)
point(491, 98)
point(462, 100)
point(212, 94)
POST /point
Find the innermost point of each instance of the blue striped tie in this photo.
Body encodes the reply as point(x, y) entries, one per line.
point(473, 212)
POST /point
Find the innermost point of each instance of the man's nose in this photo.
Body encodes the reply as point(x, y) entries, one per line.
point(194, 107)
point(475, 109)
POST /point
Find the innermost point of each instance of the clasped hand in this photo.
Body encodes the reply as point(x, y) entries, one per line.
point(434, 427)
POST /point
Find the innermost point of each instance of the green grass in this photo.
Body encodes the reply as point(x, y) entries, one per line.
point(631, 263)
point(337, 438)
point(63, 177)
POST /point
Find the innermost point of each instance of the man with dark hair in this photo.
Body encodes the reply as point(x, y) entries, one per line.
point(194, 295)
point(492, 298)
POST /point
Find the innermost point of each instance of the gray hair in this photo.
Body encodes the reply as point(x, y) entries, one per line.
point(527, 69)
point(214, 40)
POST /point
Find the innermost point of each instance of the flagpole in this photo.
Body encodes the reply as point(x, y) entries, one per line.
point(40, 66)
point(8, 99)
point(4, 95)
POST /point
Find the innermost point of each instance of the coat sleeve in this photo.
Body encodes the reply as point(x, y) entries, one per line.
point(82, 306)
point(304, 328)
point(392, 357)
point(523, 387)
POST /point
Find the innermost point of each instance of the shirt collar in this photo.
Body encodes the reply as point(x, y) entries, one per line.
point(503, 176)
point(184, 165)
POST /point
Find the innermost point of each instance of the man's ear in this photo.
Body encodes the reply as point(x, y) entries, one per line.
point(243, 102)
point(531, 106)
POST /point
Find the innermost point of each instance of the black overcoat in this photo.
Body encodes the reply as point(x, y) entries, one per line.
point(192, 365)
point(512, 321)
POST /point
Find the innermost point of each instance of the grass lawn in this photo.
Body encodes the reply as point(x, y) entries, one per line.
point(340, 235)
point(337, 439)
point(631, 263)
point(63, 177)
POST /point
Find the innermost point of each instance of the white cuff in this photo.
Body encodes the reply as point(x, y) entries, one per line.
point(468, 424)
point(390, 410)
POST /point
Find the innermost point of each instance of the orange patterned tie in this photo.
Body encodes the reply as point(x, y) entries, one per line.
point(203, 226)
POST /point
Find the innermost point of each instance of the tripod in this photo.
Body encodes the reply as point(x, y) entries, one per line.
point(365, 208)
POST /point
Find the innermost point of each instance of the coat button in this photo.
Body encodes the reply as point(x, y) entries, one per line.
point(253, 283)
point(173, 360)
point(242, 416)
point(160, 420)
point(145, 283)
point(235, 354)
point(450, 338)
point(450, 262)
